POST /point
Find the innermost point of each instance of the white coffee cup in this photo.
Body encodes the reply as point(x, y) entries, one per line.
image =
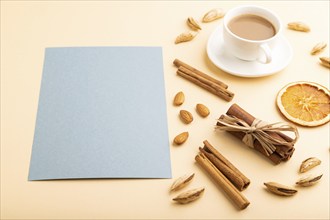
point(247, 49)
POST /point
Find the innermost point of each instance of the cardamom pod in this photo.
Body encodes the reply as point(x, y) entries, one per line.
point(182, 182)
point(299, 26)
point(280, 189)
point(184, 37)
point(193, 24)
point(318, 48)
point(309, 180)
point(189, 196)
point(325, 61)
point(308, 164)
point(181, 138)
point(214, 14)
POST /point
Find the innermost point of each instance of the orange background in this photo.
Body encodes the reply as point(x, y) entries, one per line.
point(27, 27)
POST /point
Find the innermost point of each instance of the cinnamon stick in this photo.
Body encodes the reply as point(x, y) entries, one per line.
point(205, 83)
point(179, 63)
point(236, 197)
point(234, 179)
point(225, 166)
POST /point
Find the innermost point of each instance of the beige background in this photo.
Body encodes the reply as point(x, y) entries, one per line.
point(27, 27)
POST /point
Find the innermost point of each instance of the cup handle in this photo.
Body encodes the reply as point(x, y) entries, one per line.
point(268, 53)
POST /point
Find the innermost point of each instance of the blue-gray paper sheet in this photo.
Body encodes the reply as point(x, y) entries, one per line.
point(101, 114)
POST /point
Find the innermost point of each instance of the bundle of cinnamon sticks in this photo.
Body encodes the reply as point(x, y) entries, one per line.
point(282, 152)
point(203, 80)
point(224, 173)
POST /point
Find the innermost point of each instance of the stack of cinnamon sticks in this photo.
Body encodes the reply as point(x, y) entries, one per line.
point(203, 80)
point(224, 173)
point(281, 153)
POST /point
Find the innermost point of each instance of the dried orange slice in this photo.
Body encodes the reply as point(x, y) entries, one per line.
point(305, 103)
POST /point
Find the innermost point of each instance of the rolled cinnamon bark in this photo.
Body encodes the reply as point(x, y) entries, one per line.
point(180, 63)
point(235, 176)
point(236, 196)
point(282, 153)
point(205, 83)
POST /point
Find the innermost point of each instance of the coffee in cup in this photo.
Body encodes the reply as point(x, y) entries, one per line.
point(250, 33)
point(252, 27)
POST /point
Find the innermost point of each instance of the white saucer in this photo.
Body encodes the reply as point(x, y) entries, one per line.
point(282, 55)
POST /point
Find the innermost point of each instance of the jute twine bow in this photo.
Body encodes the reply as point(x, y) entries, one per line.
point(258, 131)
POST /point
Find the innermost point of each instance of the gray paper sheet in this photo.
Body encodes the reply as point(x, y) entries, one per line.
point(101, 114)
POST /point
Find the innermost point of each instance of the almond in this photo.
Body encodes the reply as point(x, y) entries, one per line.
point(181, 138)
point(280, 189)
point(189, 196)
point(318, 48)
point(182, 182)
point(325, 61)
point(179, 98)
point(193, 24)
point(186, 116)
point(299, 26)
point(184, 37)
point(213, 15)
point(202, 110)
point(308, 164)
point(309, 180)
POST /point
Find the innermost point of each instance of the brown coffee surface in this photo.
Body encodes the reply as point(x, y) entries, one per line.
point(251, 27)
